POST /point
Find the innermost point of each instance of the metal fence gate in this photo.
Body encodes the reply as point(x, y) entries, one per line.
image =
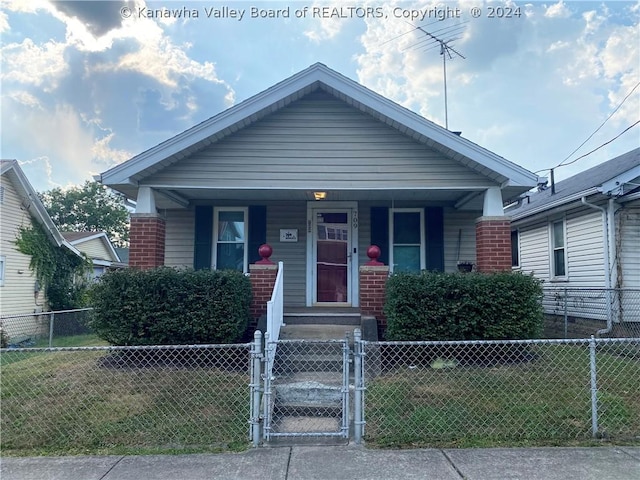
point(306, 389)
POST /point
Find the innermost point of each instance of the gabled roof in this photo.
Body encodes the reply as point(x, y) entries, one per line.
point(78, 238)
point(32, 203)
point(319, 76)
point(616, 177)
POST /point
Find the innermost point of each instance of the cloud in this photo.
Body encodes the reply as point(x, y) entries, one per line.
point(4, 22)
point(99, 17)
point(557, 10)
point(326, 26)
point(28, 63)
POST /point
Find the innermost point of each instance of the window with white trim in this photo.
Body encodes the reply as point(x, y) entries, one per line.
point(230, 236)
point(559, 252)
point(2, 262)
point(406, 235)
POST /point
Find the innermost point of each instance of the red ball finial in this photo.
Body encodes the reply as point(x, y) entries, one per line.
point(373, 252)
point(265, 251)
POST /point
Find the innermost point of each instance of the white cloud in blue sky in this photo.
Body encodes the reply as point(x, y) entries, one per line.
point(85, 87)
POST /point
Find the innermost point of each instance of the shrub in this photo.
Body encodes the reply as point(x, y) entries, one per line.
point(446, 306)
point(165, 306)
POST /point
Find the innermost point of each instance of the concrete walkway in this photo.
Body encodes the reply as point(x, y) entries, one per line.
point(341, 462)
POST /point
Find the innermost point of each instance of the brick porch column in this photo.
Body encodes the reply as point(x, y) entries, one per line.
point(373, 281)
point(263, 278)
point(146, 240)
point(493, 244)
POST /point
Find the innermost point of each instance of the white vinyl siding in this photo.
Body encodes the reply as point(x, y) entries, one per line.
point(17, 294)
point(95, 249)
point(629, 241)
point(585, 249)
point(319, 143)
point(534, 250)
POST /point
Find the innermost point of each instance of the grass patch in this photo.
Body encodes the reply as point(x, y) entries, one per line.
point(84, 340)
point(57, 403)
point(543, 401)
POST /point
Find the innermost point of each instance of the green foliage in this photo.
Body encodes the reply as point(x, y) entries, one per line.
point(60, 271)
point(165, 306)
point(89, 208)
point(445, 306)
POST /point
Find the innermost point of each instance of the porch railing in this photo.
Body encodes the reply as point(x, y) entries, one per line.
point(275, 311)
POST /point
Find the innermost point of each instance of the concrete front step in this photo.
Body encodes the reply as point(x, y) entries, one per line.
point(314, 331)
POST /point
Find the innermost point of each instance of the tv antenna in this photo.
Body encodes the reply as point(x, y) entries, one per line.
point(446, 50)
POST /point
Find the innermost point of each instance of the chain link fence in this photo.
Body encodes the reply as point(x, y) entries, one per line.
point(44, 329)
point(110, 399)
point(582, 312)
point(465, 394)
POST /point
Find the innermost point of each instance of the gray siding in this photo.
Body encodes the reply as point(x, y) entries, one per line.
point(292, 254)
point(179, 240)
point(318, 142)
point(459, 237)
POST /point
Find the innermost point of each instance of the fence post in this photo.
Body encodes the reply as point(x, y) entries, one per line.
point(358, 421)
point(51, 316)
point(594, 387)
point(256, 360)
point(565, 314)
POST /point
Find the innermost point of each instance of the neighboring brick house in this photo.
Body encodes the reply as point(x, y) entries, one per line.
point(320, 168)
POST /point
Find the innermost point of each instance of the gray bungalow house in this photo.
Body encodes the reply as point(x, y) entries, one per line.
point(320, 168)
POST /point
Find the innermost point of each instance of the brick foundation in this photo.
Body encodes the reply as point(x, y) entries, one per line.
point(493, 244)
point(146, 241)
point(373, 281)
point(263, 279)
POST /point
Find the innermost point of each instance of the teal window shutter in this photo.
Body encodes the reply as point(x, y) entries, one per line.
point(203, 237)
point(380, 232)
point(434, 238)
point(257, 231)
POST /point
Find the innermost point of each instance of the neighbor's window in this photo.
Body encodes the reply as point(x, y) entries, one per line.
point(559, 250)
point(515, 249)
point(2, 262)
point(407, 240)
point(230, 238)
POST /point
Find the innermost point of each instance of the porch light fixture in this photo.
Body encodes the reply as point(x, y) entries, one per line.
point(319, 195)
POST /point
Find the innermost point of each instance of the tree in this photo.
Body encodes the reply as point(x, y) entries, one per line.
point(89, 208)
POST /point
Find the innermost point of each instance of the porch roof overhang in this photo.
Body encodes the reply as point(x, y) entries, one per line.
point(128, 176)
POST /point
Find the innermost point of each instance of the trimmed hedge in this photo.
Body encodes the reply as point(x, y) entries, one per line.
point(165, 306)
point(453, 306)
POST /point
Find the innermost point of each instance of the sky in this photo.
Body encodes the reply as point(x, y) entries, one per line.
point(86, 85)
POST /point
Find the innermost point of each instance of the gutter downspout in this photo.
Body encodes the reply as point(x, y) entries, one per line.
point(607, 264)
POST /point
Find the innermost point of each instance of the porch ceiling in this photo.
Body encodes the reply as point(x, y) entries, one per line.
point(466, 199)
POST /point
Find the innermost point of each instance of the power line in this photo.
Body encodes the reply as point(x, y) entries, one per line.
point(598, 129)
point(562, 164)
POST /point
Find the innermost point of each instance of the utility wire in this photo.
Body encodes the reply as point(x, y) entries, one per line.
point(561, 164)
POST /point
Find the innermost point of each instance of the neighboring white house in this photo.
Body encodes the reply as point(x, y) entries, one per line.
point(97, 247)
point(20, 206)
point(584, 233)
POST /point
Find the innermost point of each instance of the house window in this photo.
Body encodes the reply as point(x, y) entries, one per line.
point(230, 238)
point(515, 249)
point(406, 227)
point(559, 263)
point(2, 262)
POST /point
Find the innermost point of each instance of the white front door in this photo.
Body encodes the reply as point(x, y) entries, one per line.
point(332, 256)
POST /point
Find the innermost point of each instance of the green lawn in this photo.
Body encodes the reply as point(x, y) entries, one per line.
point(544, 401)
point(75, 402)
